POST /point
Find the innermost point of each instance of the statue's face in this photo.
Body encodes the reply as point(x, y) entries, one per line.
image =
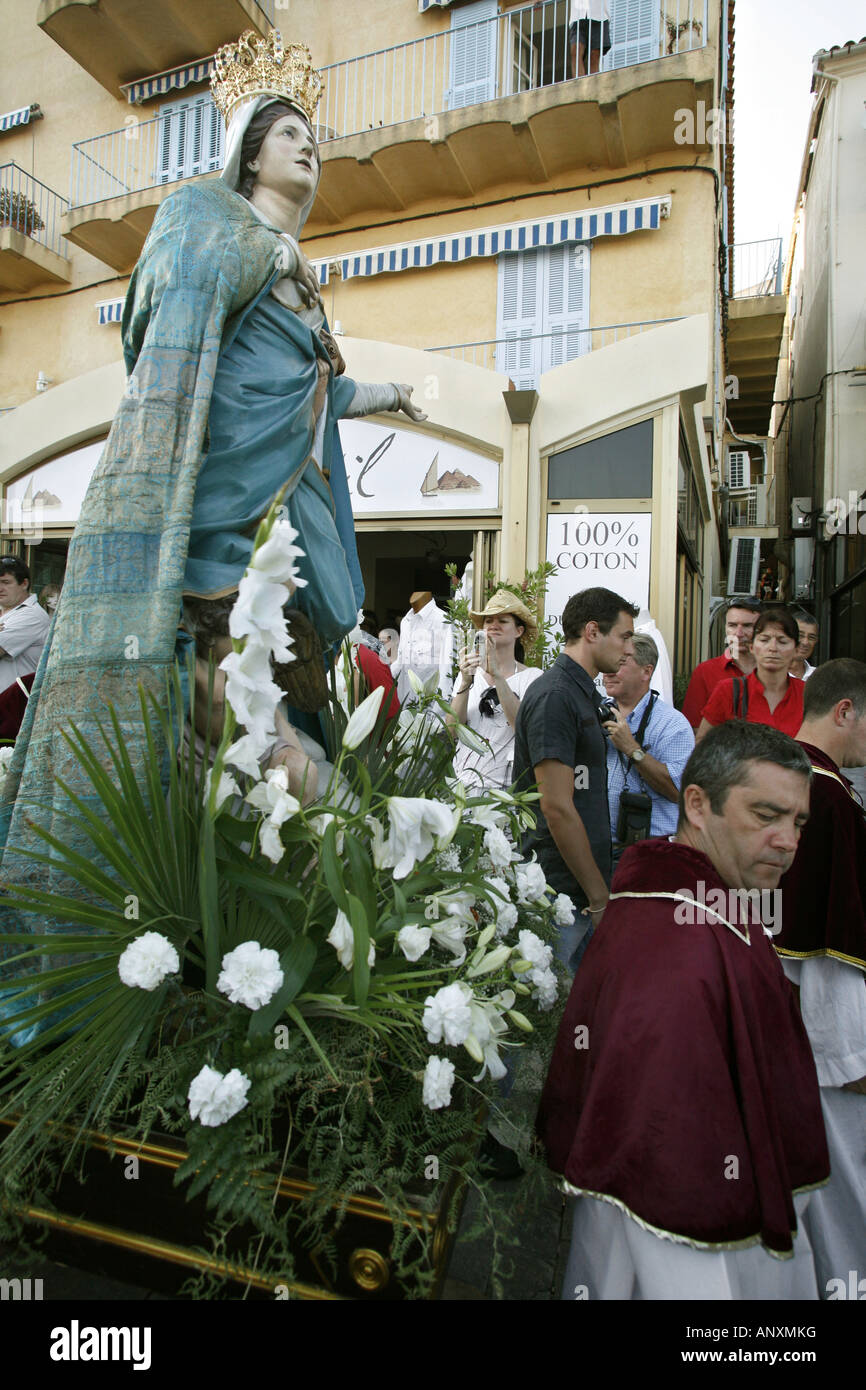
point(288, 160)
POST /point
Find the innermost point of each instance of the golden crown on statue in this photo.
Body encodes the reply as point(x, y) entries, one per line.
point(253, 66)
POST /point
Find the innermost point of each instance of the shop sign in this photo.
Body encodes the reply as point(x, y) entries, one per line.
point(609, 550)
point(393, 470)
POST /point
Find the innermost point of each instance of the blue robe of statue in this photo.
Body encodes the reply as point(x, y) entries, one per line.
point(216, 419)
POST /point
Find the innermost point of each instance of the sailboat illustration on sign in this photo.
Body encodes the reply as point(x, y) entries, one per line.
point(452, 480)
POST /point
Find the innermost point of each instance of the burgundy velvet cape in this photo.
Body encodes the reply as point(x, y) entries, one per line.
point(824, 891)
point(696, 1057)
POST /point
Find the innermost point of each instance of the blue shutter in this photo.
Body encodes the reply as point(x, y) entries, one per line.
point(519, 317)
point(566, 305)
point(473, 54)
point(634, 33)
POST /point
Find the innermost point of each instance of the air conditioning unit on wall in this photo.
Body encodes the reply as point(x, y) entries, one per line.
point(739, 471)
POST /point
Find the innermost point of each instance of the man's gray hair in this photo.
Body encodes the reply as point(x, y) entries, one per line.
point(721, 760)
point(646, 653)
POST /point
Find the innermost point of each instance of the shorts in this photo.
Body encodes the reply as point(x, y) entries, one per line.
point(592, 34)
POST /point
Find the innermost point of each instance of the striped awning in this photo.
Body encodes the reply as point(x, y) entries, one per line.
point(175, 79)
point(109, 311)
point(21, 117)
point(643, 214)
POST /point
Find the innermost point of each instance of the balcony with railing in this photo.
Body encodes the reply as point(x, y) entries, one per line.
point(752, 506)
point(116, 41)
point(524, 357)
point(445, 116)
point(756, 317)
point(31, 245)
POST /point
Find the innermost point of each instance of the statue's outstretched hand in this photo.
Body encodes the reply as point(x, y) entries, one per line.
point(406, 406)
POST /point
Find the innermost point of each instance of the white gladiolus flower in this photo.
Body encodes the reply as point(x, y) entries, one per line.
point(251, 975)
point(250, 690)
point(270, 843)
point(147, 961)
point(258, 614)
point(498, 848)
point(414, 941)
point(214, 1098)
point(533, 949)
point(417, 825)
point(273, 796)
point(275, 559)
point(545, 989)
point(226, 787)
point(246, 755)
point(447, 1016)
point(438, 1080)
point(531, 883)
point(563, 910)
point(342, 938)
point(363, 720)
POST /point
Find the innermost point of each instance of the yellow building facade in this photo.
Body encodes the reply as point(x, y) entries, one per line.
point(534, 248)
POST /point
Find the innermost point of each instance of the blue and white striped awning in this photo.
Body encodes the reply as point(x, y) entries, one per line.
point(175, 79)
point(21, 117)
point(109, 311)
point(644, 214)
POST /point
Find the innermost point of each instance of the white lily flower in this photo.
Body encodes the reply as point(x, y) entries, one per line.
point(363, 720)
point(380, 845)
point(414, 941)
point(270, 843)
point(492, 961)
point(342, 938)
point(320, 824)
point(417, 826)
point(450, 934)
point(416, 682)
point(472, 740)
point(273, 796)
point(489, 816)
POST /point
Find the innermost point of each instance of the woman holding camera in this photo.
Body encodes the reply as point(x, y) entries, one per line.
point(490, 687)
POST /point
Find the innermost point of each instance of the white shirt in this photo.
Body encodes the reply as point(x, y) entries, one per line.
point(589, 9)
point(22, 636)
point(493, 769)
point(806, 674)
point(425, 648)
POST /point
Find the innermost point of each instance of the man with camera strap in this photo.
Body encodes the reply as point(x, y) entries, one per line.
point(648, 745)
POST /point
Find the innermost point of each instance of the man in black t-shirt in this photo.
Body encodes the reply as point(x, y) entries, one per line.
point(559, 744)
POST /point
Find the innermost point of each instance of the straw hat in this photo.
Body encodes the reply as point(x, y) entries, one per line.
point(504, 601)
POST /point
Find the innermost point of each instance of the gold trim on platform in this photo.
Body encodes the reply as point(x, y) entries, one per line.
point(164, 1250)
point(369, 1270)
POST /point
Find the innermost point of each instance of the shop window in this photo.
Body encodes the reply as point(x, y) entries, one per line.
point(619, 464)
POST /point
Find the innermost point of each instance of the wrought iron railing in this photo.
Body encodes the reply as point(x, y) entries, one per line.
point(755, 268)
point(518, 51)
point(31, 207)
point(524, 357)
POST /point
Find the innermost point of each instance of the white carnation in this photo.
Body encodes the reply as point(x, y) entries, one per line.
point(545, 989)
point(414, 941)
point(531, 883)
point(533, 949)
point(251, 975)
point(214, 1098)
point(147, 961)
point(498, 848)
point(447, 1015)
point(563, 910)
point(506, 919)
point(438, 1080)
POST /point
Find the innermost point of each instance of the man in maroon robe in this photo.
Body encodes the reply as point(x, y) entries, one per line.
point(823, 948)
point(682, 1105)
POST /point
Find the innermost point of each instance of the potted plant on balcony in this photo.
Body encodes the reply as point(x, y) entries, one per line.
point(299, 1012)
point(16, 210)
point(677, 29)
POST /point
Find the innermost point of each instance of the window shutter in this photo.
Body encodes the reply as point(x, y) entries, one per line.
point(634, 32)
point(518, 319)
point(566, 316)
point(743, 566)
point(473, 54)
point(190, 138)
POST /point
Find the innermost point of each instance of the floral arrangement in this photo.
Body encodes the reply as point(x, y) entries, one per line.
point(262, 975)
point(16, 210)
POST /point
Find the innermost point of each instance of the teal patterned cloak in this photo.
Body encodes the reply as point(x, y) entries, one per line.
point(206, 262)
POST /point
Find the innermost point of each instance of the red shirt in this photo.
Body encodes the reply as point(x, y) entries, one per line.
point(704, 680)
point(787, 716)
point(376, 673)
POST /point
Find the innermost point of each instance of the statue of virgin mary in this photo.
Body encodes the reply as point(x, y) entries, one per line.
point(234, 392)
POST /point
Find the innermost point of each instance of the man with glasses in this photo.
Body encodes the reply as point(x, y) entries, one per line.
point(737, 659)
point(23, 623)
point(648, 745)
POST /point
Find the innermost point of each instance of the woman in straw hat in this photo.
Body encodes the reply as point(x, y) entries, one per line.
point(491, 685)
